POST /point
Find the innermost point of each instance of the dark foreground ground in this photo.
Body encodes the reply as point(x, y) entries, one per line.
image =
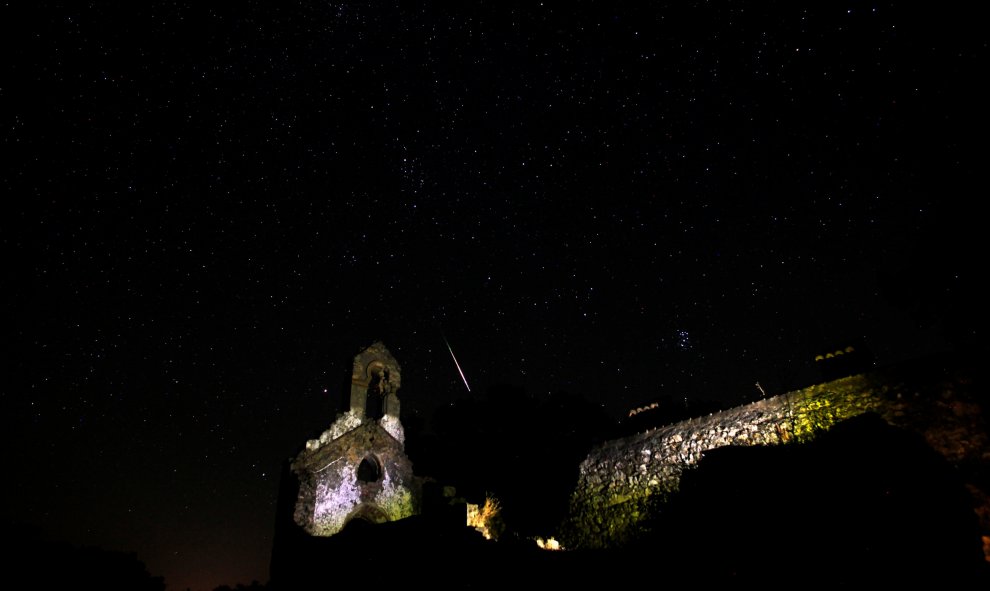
point(866, 504)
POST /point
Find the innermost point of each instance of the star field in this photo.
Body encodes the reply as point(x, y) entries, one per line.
point(210, 209)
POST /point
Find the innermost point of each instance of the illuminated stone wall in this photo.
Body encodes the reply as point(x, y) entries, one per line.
point(622, 479)
point(333, 487)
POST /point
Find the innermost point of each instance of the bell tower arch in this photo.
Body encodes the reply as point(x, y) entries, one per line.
point(375, 381)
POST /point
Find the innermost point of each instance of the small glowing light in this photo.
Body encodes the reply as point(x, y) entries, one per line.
point(548, 544)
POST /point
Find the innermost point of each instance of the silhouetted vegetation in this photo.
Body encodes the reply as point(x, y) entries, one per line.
point(38, 563)
point(523, 450)
point(866, 501)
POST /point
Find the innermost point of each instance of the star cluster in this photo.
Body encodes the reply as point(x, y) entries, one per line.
point(210, 209)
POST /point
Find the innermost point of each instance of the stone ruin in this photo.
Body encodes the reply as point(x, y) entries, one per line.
point(357, 468)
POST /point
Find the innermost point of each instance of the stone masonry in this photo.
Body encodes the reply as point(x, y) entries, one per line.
point(621, 480)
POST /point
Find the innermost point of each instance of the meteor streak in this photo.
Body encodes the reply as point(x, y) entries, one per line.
point(459, 370)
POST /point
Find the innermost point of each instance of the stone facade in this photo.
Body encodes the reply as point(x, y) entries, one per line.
point(621, 480)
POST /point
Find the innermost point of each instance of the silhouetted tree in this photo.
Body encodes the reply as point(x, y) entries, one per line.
point(524, 450)
point(865, 501)
point(39, 563)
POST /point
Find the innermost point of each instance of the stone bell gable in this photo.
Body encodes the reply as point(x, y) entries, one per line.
point(375, 381)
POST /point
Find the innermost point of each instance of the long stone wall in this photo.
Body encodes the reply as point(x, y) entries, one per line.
point(622, 480)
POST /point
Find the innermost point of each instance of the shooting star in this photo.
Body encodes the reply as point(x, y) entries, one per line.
point(459, 370)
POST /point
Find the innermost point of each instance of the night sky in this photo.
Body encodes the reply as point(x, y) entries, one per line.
point(210, 209)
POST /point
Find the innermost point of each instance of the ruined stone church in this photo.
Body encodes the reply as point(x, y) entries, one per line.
point(357, 469)
point(355, 474)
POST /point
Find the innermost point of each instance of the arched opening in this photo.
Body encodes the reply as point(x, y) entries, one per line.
point(369, 470)
point(378, 388)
